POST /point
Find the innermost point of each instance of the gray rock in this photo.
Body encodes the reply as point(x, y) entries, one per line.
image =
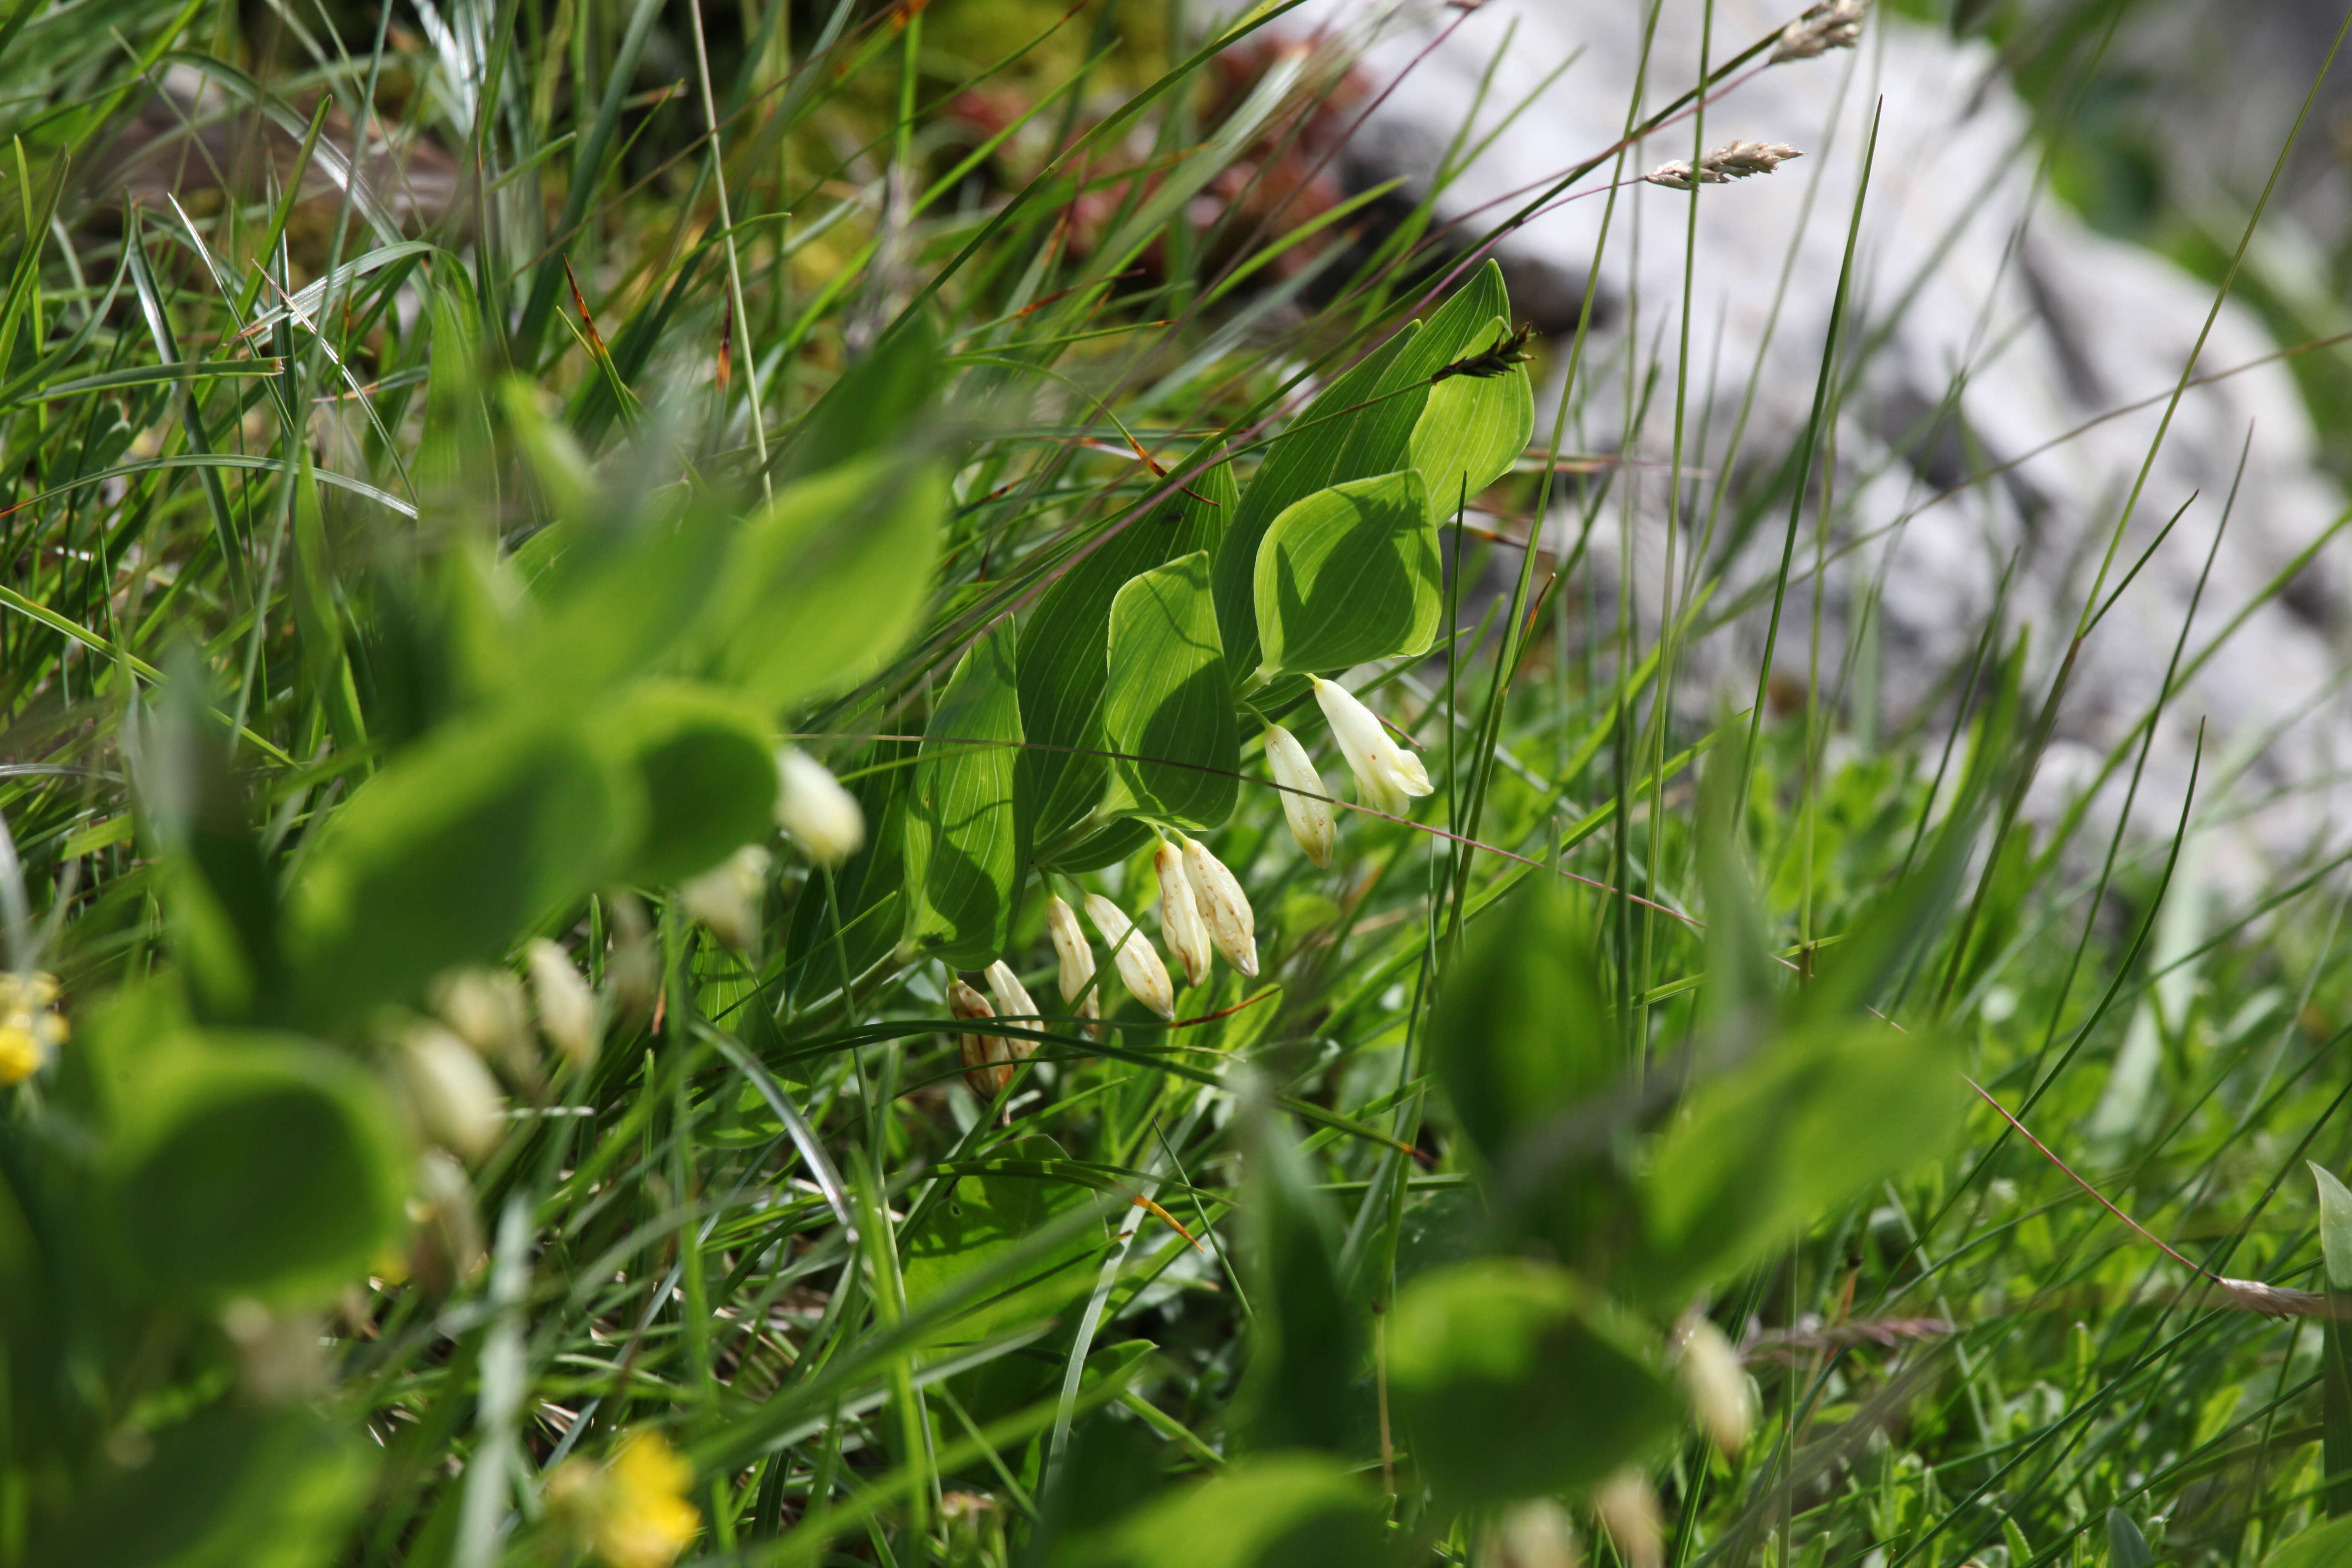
point(2008, 371)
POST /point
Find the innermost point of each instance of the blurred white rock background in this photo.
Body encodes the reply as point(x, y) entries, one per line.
point(1997, 326)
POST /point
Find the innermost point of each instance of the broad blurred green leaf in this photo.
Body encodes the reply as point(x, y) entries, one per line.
point(614, 601)
point(1349, 575)
point(1307, 1337)
point(820, 587)
point(874, 405)
point(1509, 1387)
point(1064, 672)
point(967, 844)
point(2126, 1547)
point(254, 1165)
point(1169, 709)
point(1532, 1060)
point(1818, 1118)
point(1284, 1510)
point(233, 1488)
point(706, 764)
point(448, 856)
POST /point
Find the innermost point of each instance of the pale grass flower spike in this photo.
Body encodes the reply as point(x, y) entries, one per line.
point(1732, 161)
point(1225, 907)
point(1180, 914)
point(1832, 24)
point(1140, 968)
point(1305, 803)
point(1386, 773)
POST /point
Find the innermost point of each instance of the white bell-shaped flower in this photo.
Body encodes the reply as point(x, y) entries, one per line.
point(1145, 976)
point(1225, 907)
point(1305, 803)
point(1180, 914)
point(1386, 773)
point(823, 817)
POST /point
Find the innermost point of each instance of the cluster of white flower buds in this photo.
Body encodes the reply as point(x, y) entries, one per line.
point(1388, 777)
point(1832, 24)
point(989, 1060)
point(484, 1016)
point(1732, 161)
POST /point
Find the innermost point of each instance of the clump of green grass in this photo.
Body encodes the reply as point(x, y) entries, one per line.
point(483, 1137)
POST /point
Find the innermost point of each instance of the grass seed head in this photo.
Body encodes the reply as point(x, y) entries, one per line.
point(1833, 25)
point(1732, 161)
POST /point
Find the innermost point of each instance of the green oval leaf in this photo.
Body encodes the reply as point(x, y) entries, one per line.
point(966, 839)
point(254, 1166)
point(1284, 1510)
point(708, 767)
point(1349, 575)
point(1509, 1389)
point(825, 584)
point(1821, 1117)
point(449, 854)
point(1169, 711)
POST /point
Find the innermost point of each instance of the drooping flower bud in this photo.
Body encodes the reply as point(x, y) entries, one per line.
point(1012, 1001)
point(1386, 773)
point(485, 1008)
point(457, 1102)
point(727, 897)
point(1305, 803)
point(1076, 961)
point(1629, 1512)
point(1140, 968)
point(1180, 914)
point(633, 966)
point(567, 1009)
point(823, 817)
point(987, 1065)
point(1535, 1534)
point(1071, 948)
point(1715, 1382)
point(1225, 907)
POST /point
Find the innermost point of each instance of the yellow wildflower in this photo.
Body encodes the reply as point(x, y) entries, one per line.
point(31, 1028)
point(632, 1509)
